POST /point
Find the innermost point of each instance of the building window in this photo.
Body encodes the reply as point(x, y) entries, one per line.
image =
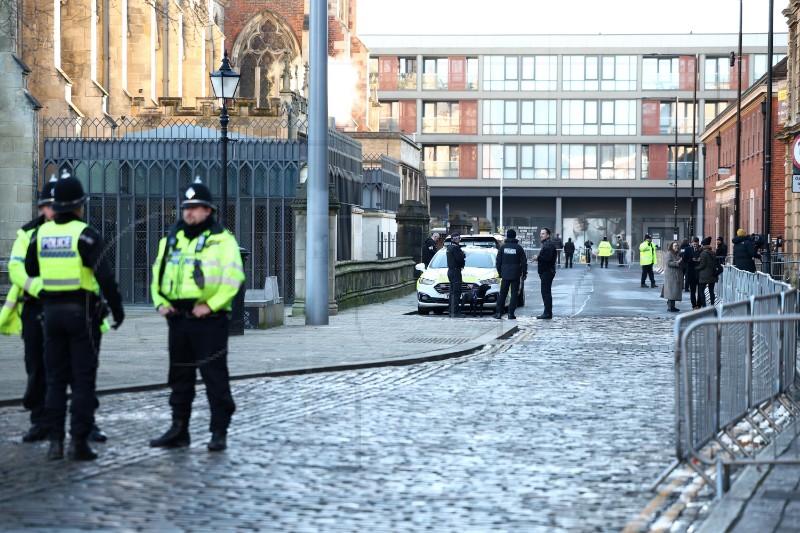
point(441, 161)
point(760, 64)
point(389, 116)
point(593, 117)
point(539, 73)
point(660, 73)
point(407, 73)
point(659, 162)
point(434, 73)
point(711, 109)
point(579, 161)
point(538, 117)
point(500, 117)
point(668, 121)
point(590, 161)
point(472, 73)
point(500, 73)
point(499, 158)
point(617, 161)
point(537, 161)
point(441, 117)
point(718, 73)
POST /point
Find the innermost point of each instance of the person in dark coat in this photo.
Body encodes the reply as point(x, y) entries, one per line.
point(705, 273)
point(588, 246)
point(511, 264)
point(430, 248)
point(744, 251)
point(690, 257)
point(559, 244)
point(456, 261)
point(684, 245)
point(569, 251)
point(721, 251)
point(547, 272)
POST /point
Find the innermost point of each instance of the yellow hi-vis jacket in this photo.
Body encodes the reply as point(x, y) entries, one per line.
point(10, 314)
point(604, 249)
point(647, 254)
point(60, 264)
point(212, 259)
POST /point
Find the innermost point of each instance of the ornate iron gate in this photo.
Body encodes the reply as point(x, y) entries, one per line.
point(134, 183)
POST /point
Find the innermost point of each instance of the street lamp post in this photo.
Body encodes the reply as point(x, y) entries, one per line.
point(675, 205)
point(694, 142)
point(225, 81)
point(502, 171)
point(738, 180)
point(768, 149)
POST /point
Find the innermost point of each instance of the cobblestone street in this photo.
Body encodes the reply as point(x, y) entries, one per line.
point(560, 428)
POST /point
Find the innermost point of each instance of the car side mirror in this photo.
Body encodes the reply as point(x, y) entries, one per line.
point(420, 267)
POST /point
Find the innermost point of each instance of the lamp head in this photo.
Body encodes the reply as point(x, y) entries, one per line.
point(225, 81)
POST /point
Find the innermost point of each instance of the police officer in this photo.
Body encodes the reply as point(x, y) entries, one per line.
point(196, 276)
point(648, 259)
point(456, 261)
point(69, 258)
point(31, 316)
point(546, 267)
point(511, 264)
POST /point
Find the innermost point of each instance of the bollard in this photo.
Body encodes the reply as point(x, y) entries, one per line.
point(236, 326)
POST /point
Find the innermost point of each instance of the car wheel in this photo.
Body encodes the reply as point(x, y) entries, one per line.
point(438, 311)
point(423, 311)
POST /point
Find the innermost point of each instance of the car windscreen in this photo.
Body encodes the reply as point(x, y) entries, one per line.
point(474, 259)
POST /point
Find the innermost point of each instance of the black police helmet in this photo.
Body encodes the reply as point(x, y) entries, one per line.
point(68, 194)
point(48, 192)
point(197, 194)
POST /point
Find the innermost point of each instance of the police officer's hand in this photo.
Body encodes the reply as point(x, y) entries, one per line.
point(201, 310)
point(165, 310)
point(119, 316)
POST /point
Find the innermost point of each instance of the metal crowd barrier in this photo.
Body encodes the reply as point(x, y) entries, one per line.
point(734, 364)
point(579, 254)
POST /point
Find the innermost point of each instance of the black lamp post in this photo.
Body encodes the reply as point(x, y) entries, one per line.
point(675, 205)
point(225, 81)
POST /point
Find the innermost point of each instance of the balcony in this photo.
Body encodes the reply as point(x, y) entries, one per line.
point(440, 169)
point(441, 125)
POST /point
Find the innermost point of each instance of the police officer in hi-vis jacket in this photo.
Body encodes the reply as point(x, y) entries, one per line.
point(196, 276)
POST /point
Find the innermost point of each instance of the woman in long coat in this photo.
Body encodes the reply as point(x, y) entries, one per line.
point(673, 277)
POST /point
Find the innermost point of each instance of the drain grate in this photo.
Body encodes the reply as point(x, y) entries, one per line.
point(434, 340)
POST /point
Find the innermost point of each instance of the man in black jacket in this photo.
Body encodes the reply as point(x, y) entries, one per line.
point(511, 264)
point(569, 251)
point(721, 251)
point(456, 261)
point(744, 251)
point(430, 248)
point(547, 272)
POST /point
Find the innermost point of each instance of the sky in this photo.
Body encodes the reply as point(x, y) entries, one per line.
point(436, 17)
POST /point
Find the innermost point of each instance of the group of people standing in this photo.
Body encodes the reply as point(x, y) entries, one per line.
point(64, 288)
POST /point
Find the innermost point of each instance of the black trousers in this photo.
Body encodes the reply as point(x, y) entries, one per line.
point(547, 295)
point(505, 285)
point(603, 261)
point(200, 343)
point(647, 270)
point(694, 293)
point(621, 257)
point(454, 276)
point(701, 294)
point(33, 337)
point(71, 349)
point(588, 257)
point(568, 260)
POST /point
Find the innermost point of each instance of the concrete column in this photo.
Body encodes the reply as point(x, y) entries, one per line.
point(629, 219)
point(489, 209)
point(558, 230)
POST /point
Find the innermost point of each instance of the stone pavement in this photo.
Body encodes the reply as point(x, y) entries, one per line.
point(539, 426)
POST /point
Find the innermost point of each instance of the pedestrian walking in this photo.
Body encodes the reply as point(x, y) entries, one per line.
point(691, 255)
point(196, 276)
point(672, 291)
point(604, 251)
point(587, 245)
point(512, 265)
point(559, 244)
point(430, 248)
point(456, 261)
point(620, 252)
point(76, 285)
point(647, 258)
point(569, 252)
point(744, 251)
point(706, 274)
point(546, 268)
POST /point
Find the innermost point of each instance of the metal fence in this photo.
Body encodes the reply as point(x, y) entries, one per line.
point(734, 363)
point(134, 176)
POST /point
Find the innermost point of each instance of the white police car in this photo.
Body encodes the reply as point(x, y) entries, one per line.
point(433, 287)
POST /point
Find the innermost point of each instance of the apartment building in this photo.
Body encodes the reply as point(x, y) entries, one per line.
point(591, 135)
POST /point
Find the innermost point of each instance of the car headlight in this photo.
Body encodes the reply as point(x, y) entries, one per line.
point(427, 281)
point(490, 281)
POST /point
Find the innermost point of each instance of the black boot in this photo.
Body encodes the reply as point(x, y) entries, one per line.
point(79, 450)
point(97, 434)
point(56, 450)
point(37, 432)
point(218, 441)
point(176, 436)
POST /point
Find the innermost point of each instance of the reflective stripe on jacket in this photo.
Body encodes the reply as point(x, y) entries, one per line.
point(61, 267)
point(215, 263)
